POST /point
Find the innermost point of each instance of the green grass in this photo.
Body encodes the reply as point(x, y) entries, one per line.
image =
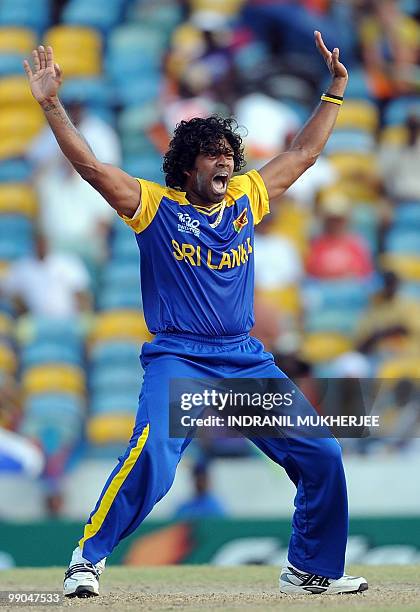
point(231, 589)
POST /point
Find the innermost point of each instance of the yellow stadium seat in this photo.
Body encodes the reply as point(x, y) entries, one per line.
point(292, 222)
point(15, 91)
point(357, 192)
point(286, 299)
point(53, 377)
point(108, 428)
point(17, 40)
point(358, 115)
point(65, 40)
point(406, 266)
point(4, 266)
point(6, 325)
point(18, 198)
point(8, 361)
point(400, 367)
point(323, 346)
point(394, 135)
point(18, 127)
point(116, 324)
point(355, 165)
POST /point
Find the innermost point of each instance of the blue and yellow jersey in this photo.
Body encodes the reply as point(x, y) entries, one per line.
point(197, 262)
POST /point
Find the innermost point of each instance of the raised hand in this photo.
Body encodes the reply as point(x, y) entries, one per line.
point(46, 78)
point(336, 68)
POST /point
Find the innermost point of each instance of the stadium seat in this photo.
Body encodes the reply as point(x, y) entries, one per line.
point(350, 141)
point(407, 216)
point(23, 13)
point(343, 321)
point(115, 402)
point(41, 352)
point(65, 39)
point(15, 171)
point(323, 346)
point(92, 14)
point(336, 294)
point(400, 367)
point(15, 40)
point(358, 115)
point(104, 379)
point(103, 429)
point(18, 127)
point(115, 298)
point(398, 110)
point(292, 222)
point(14, 91)
point(406, 266)
point(18, 198)
point(8, 360)
point(404, 241)
point(59, 331)
point(145, 166)
point(394, 136)
point(364, 221)
point(54, 420)
point(10, 64)
point(115, 353)
point(159, 16)
point(286, 299)
point(120, 324)
point(353, 165)
point(90, 91)
point(6, 324)
point(53, 378)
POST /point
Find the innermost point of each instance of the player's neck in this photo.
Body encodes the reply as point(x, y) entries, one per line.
point(197, 199)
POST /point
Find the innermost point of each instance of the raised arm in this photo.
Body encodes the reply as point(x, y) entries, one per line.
point(119, 189)
point(282, 171)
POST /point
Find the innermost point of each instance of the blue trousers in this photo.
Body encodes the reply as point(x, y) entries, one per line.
point(146, 471)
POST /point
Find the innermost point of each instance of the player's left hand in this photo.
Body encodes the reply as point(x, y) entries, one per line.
point(336, 68)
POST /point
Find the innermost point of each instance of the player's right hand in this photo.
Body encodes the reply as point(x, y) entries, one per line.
point(46, 78)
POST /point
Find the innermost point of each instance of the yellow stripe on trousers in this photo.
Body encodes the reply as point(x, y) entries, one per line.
point(115, 485)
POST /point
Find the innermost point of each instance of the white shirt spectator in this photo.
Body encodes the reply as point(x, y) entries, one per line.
point(49, 286)
point(268, 123)
point(319, 176)
point(71, 210)
point(277, 262)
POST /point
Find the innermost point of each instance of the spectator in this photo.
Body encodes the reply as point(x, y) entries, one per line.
point(391, 322)
point(390, 47)
point(74, 217)
point(204, 503)
point(400, 165)
point(277, 262)
point(337, 253)
point(48, 284)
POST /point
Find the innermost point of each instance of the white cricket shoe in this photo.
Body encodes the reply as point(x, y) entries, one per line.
point(298, 582)
point(82, 577)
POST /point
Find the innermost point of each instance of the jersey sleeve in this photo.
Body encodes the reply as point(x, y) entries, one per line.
point(252, 185)
point(151, 197)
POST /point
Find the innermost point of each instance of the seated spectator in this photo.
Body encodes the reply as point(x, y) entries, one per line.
point(277, 262)
point(204, 503)
point(48, 284)
point(74, 217)
point(268, 122)
point(400, 165)
point(391, 322)
point(336, 252)
point(390, 46)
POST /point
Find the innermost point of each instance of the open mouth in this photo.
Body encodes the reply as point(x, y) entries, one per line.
point(220, 181)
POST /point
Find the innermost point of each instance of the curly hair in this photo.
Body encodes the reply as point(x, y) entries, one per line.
point(200, 136)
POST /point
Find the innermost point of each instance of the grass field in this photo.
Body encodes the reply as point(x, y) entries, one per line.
point(203, 588)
